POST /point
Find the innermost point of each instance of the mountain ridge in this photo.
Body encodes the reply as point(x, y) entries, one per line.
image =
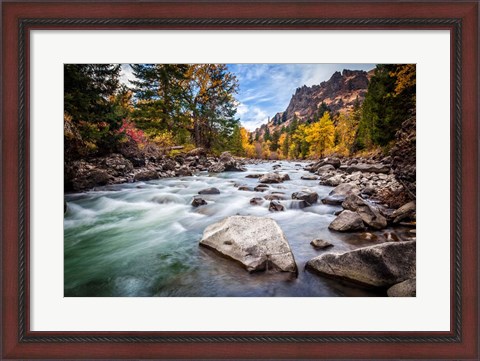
point(338, 94)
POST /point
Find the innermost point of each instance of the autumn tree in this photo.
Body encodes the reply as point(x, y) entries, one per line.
point(194, 101)
point(247, 146)
point(284, 144)
point(211, 103)
point(299, 146)
point(320, 135)
point(345, 131)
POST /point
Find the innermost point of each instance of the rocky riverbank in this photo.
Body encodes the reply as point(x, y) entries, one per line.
point(81, 175)
point(368, 191)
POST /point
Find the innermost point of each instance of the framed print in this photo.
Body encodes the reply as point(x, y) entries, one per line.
point(239, 180)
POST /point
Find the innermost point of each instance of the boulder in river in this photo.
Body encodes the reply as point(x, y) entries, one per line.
point(258, 243)
point(308, 196)
point(334, 200)
point(369, 214)
point(320, 244)
point(309, 177)
point(273, 178)
point(261, 188)
point(256, 201)
point(197, 202)
point(276, 206)
point(258, 175)
point(382, 265)
point(209, 191)
point(275, 197)
point(347, 221)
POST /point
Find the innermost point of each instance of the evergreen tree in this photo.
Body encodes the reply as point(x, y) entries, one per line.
point(160, 102)
point(88, 91)
point(387, 104)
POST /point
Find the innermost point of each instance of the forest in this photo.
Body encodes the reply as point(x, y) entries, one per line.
point(194, 105)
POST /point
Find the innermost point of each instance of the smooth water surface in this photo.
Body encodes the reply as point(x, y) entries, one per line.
point(141, 239)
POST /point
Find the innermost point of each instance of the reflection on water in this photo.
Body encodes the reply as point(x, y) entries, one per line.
point(141, 239)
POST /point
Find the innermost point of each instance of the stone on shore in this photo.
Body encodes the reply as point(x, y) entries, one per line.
point(371, 168)
point(145, 175)
point(405, 212)
point(258, 243)
point(381, 265)
point(347, 221)
point(369, 214)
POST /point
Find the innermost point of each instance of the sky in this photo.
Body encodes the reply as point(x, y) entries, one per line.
point(266, 89)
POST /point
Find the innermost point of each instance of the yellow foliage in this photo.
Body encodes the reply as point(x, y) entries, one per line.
point(283, 146)
point(345, 134)
point(320, 135)
point(248, 148)
point(266, 149)
point(406, 77)
point(163, 139)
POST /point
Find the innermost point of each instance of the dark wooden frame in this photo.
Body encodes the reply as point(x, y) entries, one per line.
point(461, 18)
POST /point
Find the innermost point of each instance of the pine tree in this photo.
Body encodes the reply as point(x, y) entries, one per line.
point(88, 92)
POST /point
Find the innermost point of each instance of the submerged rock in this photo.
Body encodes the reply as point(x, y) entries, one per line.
point(256, 201)
point(381, 265)
point(261, 188)
point(209, 191)
point(197, 201)
point(257, 243)
point(347, 221)
point(276, 206)
point(320, 244)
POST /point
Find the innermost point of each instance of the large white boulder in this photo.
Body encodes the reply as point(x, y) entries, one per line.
point(258, 243)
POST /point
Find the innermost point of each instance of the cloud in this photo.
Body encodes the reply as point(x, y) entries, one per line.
point(126, 74)
point(254, 117)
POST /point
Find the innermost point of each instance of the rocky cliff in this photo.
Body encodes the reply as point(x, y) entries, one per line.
point(339, 94)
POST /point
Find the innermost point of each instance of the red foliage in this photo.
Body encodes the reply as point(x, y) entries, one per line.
point(129, 129)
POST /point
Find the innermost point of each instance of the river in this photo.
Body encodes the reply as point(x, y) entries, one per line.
point(141, 239)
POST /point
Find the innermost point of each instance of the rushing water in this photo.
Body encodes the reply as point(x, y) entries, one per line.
point(141, 239)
